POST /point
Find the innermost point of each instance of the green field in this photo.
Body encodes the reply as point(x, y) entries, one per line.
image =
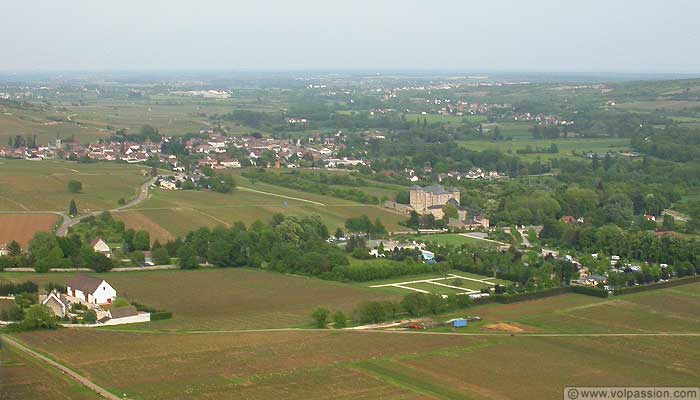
point(435, 289)
point(408, 365)
point(452, 239)
point(566, 146)
point(42, 185)
point(451, 119)
point(168, 214)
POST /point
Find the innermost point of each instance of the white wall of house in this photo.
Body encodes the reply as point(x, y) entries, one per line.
point(104, 294)
point(145, 317)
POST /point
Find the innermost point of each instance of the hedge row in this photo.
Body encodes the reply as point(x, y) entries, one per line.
point(155, 313)
point(514, 298)
point(158, 315)
point(660, 285)
point(10, 288)
point(540, 294)
point(590, 291)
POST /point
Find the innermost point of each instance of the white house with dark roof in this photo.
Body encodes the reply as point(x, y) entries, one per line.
point(91, 290)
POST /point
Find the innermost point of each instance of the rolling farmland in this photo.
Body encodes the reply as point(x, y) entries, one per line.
point(231, 298)
point(41, 185)
point(445, 364)
point(168, 214)
point(22, 377)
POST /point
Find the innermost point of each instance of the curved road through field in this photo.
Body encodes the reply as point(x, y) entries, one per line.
point(70, 221)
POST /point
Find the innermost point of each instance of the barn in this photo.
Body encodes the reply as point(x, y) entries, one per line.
point(91, 290)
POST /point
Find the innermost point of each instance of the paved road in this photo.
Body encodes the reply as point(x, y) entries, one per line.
point(68, 221)
point(76, 376)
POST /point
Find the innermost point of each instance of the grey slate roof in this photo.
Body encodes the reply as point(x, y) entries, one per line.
point(84, 283)
point(435, 189)
point(122, 312)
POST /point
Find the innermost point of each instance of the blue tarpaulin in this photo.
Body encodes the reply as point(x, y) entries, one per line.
point(459, 323)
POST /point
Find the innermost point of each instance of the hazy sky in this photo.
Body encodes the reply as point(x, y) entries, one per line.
point(523, 35)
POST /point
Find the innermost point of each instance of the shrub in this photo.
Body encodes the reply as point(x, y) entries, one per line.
point(340, 320)
point(75, 186)
point(89, 317)
point(8, 288)
point(369, 312)
point(14, 313)
point(55, 286)
point(120, 302)
point(160, 315)
point(590, 291)
point(414, 304)
point(161, 256)
point(39, 317)
point(320, 316)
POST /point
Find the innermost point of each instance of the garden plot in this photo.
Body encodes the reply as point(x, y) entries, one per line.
point(445, 285)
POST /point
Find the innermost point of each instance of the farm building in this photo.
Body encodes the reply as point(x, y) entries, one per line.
point(56, 302)
point(91, 290)
point(124, 315)
point(100, 246)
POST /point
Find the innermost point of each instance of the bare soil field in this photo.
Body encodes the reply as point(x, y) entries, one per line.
point(23, 378)
point(22, 227)
point(363, 365)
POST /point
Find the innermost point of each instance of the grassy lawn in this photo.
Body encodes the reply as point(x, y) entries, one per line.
point(437, 289)
point(453, 239)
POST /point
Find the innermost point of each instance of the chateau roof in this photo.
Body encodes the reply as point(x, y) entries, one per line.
point(435, 189)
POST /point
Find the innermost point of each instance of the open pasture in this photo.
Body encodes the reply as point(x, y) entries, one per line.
point(22, 227)
point(566, 146)
point(42, 185)
point(453, 282)
point(660, 104)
